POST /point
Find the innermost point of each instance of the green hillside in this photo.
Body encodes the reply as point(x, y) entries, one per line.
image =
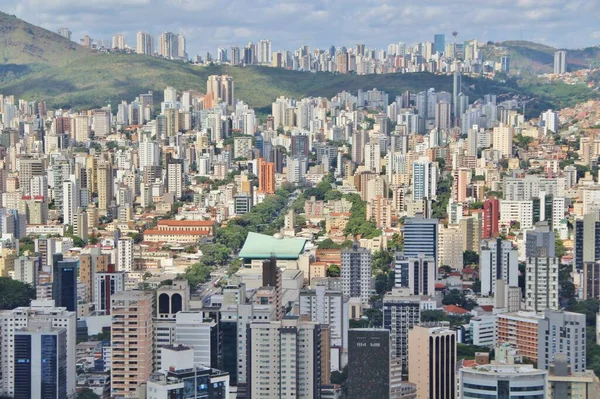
point(529, 57)
point(41, 65)
point(23, 44)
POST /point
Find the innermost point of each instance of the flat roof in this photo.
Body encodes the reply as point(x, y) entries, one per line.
point(261, 246)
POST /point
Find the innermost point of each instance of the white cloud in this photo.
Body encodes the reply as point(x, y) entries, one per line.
point(209, 24)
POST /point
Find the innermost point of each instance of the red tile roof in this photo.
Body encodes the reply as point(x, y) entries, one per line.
point(453, 309)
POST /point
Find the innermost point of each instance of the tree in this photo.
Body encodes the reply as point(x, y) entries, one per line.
point(338, 377)
point(559, 248)
point(15, 294)
point(197, 274)
point(470, 258)
point(214, 254)
point(87, 393)
point(333, 271)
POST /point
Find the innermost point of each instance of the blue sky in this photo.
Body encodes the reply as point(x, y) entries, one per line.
point(208, 24)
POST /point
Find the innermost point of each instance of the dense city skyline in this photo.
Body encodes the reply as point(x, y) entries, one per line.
point(291, 24)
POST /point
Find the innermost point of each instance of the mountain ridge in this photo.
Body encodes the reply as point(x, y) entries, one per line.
point(36, 64)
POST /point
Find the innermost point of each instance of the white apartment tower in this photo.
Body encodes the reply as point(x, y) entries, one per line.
point(40, 311)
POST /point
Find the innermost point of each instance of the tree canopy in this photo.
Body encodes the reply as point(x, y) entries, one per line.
point(15, 294)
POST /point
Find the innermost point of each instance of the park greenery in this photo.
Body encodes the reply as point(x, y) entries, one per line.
point(15, 294)
point(358, 225)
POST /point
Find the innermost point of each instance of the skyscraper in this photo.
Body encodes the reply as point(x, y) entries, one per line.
point(264, 52)
point(560, 62)
point(118, 42)
point(105, 186)
point(326, 306)
point(502, 140)
point(131, 338)
point(400, 314)
point(432, 361)
point(421, 237)
point(284, 359)
point(144, 43)
point(368, 363)
point(40, 361)
point(498, 260)
point(64, 286)
point(175, 181)
point(564, 333)
point(40, 311)
point(266, 176)
point(424, 181)
point(125, 254)
point(491, 216)
point(359, 140)
point(439, 41)
point(541, 283)
point(221, 88)
point(356, 272)
point(587, 240)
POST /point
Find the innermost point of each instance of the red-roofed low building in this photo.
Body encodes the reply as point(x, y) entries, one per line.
point(454, 310)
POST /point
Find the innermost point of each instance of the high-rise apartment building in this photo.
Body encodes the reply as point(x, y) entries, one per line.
point(175, 182)
point(541, 283)
point(15, 328)
point(415, 273)
point(168, 45)
point(144, 43)
point(325, 306)
point(560, 62)
point(221, 87)
point(400, 313)
point(562, 333)
point(591, 280)
point(266, 176)
point(356, 272)
point(106, 284)
point(360, 138)
point(587, 240)
point(498, 260)
point(131, 338)
point(491, 216)
point(104, 173)
point(502, 140)
point(424, 180)
point(284, 359)
point(64, 32)
point(368, 363)
point(234, 322)
point(264, 52)
point(118, 42)
point(125, 254)
point(432, 361)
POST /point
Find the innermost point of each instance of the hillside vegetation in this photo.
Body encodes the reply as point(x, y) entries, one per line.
point(37, 64)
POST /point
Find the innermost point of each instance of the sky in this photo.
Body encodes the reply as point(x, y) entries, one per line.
point(208, 24)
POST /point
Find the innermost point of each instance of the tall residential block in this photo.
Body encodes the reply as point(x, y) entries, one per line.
point(356, 272)
point(498, 260)
point(562, 333)
point(131, 338)
point(32, 324)
point(284, 359)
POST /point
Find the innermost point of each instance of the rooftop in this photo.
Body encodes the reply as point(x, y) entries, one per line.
point(261, 246)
